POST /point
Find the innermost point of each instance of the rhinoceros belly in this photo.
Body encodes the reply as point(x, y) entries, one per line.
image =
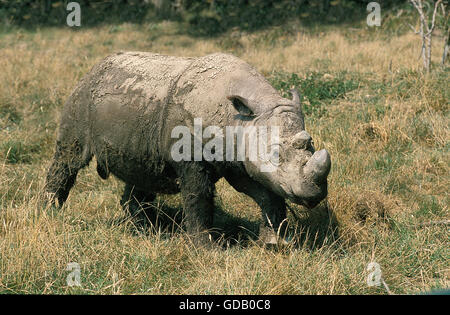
point(145, 174)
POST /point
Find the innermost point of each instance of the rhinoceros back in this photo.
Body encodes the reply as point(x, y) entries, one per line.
point(129, 94)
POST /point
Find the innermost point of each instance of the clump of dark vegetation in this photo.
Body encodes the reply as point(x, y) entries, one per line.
point(30, 13)
point(215, 17)
point(201, 18)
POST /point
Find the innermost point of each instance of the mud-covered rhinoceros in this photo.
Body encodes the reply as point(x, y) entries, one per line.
point(126, 112)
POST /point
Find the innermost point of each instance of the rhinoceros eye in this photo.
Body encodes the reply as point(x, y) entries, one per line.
point(241, 107)
point(275, 157)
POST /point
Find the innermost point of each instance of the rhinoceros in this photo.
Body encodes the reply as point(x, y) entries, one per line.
point(125, 110)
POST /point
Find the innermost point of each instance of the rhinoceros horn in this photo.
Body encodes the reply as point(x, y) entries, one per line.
point(318, 166)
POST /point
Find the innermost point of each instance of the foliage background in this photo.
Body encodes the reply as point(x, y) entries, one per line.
point(204, 17)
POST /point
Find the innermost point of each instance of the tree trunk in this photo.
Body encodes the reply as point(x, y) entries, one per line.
point(445, 55)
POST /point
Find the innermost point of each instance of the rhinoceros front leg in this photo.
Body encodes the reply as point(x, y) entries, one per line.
point(273, 206)
point(197, 190)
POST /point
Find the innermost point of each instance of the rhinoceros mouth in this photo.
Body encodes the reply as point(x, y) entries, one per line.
point(306, 193)
point(309, 202)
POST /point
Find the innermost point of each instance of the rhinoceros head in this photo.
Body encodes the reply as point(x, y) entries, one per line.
point(292, 168)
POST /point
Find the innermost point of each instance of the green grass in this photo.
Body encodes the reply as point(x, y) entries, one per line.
point(316, 88)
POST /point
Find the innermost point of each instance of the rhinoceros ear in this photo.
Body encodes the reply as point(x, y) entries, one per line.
point(241, 105)
point(298, 104)
point(296, 99)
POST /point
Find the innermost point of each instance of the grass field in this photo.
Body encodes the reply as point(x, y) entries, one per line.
point(385, 124)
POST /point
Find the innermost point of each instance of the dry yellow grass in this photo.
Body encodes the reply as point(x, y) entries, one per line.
point(388, 140)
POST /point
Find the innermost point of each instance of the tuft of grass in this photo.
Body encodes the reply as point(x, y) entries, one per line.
point(9, 115)
point(14, 151)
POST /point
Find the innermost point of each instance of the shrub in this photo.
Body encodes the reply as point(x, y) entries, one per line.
point(315, 88)
point(16, 151)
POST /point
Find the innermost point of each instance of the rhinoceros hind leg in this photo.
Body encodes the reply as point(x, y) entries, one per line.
point(67, 161)
point(136, 203)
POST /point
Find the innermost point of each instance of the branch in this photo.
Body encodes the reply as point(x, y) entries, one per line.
point(430, 30)
point(412, 28)
point(418, 5)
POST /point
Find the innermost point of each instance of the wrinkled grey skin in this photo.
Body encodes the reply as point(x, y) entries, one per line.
point(123, 113)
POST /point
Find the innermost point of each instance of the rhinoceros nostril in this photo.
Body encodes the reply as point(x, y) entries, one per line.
point(302, 140)
point(304, 160)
